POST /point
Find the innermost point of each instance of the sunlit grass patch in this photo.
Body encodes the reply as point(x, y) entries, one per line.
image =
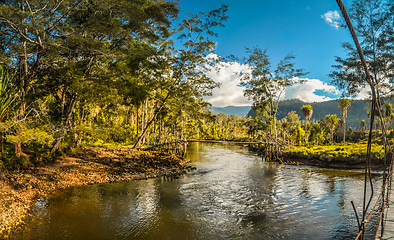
point(350, 149)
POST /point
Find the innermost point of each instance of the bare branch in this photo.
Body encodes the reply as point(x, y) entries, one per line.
point(63, 16)
point(17, 30)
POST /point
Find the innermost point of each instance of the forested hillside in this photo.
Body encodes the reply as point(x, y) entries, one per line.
point(230, 110)
point(356, 112)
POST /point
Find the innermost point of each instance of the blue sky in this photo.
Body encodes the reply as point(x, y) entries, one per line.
point(300, 27)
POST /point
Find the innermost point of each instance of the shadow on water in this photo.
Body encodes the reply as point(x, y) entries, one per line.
point(231, 195)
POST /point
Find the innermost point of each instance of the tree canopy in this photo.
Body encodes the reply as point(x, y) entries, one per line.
point(373, 22)
point(102, 70)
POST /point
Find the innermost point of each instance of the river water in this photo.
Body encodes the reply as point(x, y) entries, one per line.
point(233, 194)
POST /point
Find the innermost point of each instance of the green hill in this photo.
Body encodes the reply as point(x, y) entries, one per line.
point(230, 110)
point(356, 112)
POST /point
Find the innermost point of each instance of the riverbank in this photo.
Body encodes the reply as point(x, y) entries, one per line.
point(336, 156)
point(20, 190)
point(349, 156)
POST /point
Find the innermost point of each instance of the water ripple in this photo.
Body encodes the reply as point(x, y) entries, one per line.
point(231, 195)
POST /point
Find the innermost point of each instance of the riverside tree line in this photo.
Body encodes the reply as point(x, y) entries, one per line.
point(373, 21)
point(82, 71)
point(133, 73)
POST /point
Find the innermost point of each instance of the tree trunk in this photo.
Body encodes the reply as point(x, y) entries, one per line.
point(144, 139)
point(306, 129)
point(275, 132)
point(160, 130)
point(2, 142)
point(56, 147)
point(154, 133)
point(66, 125)
point(138, 125)
point(24, 86)
point(344, 130)
point(150, 122)
point(143, 121)
point(18, 145)
point(332, 136)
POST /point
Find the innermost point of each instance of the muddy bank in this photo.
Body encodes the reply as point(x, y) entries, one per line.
point(356, 161)
point(20, 190)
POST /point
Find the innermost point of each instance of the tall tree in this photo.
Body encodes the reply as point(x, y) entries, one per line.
point(307, 112)
point(344, 103)
point(68, 49)
point(317, 133)
point(266, 86)
point(185, 67)
point(7, 99)
point(363, 124)
point(373, 21)
point(332, 121)
point(388, 113)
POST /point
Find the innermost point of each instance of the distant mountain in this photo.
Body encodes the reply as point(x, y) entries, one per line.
point(356, 112)
point(230, 110)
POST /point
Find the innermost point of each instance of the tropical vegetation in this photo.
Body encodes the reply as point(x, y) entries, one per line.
point(134, 73)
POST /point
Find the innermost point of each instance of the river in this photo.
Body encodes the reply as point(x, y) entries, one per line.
point(233, 194)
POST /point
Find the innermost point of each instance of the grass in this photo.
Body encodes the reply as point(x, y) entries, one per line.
point(349, 149)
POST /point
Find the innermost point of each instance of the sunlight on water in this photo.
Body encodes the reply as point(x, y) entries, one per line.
point(231, 195)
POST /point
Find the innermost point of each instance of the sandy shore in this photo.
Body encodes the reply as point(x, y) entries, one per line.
point(20, 190)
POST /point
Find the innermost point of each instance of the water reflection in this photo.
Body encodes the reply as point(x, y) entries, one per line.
point(231, 195)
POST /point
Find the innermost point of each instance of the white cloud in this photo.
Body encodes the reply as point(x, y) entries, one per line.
point(364, 93)
point(229, 93)
point(332, 17)
point(306, 91)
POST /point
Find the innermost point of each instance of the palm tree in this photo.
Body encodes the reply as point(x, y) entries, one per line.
point(6, 97)
point(317, 133)
point(344, 103)
point(363, 124)
point(6, 102)
point(307, 111)
point(332, 121)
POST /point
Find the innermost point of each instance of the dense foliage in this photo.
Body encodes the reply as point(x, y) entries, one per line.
point(373, 22)
point(133, 72)
point(103, 72)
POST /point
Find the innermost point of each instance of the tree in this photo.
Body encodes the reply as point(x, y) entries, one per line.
point(293, 119)
point(363, 124)
point(266, 86)
point(373, 22)
point(388, 109)
point(307, 112)
point(344, 103)
point(317, 133)
point(7, 97)
point(293, 123)
point(332, 121)
point(7, 100)
point(71, 51)
point(184, 71)
point(388, 113)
